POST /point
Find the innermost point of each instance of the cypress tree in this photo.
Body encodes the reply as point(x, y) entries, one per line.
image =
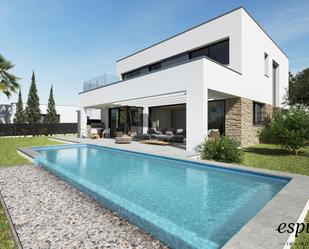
point(20, 117)
point(51, 115)
point(33, 106)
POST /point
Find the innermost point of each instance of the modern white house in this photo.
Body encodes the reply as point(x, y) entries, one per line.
point(66, 113)
point(226, 74)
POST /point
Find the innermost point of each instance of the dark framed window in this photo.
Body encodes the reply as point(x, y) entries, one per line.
point(155, 66)
point(266, 62)
point(257, 113)
point(216, 115)
point(126, 75)
point(199, 52)
point(220, 52)
point(126, 119)
point(135, 73)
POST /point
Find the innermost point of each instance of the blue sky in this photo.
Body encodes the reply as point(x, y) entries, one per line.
point(69, 41)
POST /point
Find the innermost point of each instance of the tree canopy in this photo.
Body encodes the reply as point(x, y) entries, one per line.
point(290, 128)
point(33, 106)
point(51, 115)
point(20, 117)
point(8, 81)
point(298, 93)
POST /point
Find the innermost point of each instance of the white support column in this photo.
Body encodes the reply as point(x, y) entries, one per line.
point(83, 122)
point(196, 111)
point(197, 119)
point(145, 119)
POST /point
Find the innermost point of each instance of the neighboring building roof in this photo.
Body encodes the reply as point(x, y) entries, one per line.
point(201, 25)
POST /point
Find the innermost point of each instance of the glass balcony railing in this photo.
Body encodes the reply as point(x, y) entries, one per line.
point(102, 80)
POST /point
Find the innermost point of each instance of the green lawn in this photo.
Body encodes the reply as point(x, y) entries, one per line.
point(302, 242)
point(273, 157)
point(269, 156)
point(6, 241)
point(8, 154)
point(9, 157)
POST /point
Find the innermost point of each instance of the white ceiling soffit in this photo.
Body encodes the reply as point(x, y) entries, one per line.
point(163, 99)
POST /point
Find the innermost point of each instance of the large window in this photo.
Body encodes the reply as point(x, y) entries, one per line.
point(216, 112)
point(135, 73)
point(155, 66)
point(199, 52)
point(126, 119)
point(275, 72)
point(266, 65)
point(257, 113)
point(170, 117)
point(218, 52)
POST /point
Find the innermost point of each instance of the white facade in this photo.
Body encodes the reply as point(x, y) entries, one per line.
point(196, 81)
point(67, 113)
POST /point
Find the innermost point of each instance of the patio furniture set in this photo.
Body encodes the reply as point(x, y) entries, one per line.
point(153, 136)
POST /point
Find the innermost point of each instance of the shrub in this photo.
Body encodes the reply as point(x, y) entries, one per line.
point(221, 149)
point(266, 136)
point(290, 128)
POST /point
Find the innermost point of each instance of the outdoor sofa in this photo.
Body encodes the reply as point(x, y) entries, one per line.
point(170, 135)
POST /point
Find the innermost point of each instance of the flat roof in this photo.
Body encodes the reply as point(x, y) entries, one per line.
point(226, 13)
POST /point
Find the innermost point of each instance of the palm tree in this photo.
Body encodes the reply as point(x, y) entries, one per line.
point(8, 82)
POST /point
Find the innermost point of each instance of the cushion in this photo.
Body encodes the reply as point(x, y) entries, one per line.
point(152, 131)
point(179, 131)
point(172, 130)
point(169, 133)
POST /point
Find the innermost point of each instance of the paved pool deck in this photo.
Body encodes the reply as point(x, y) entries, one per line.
point(261, 231)
point(160, 150)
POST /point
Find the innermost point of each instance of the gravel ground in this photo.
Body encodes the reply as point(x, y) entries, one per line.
point(49, 213)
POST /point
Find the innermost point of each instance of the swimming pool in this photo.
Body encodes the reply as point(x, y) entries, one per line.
point(182, 203)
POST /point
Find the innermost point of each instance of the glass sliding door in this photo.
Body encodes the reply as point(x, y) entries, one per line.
point(122, 126)
point(113, 120)
point(216, 118)
point(135, 119)
point(126, 119)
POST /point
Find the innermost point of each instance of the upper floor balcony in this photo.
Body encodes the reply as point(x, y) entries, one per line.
point(99, 81)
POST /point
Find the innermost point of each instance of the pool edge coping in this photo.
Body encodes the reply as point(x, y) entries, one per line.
point(240, 239)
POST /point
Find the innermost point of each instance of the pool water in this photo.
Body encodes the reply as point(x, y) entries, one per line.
point(184, 204)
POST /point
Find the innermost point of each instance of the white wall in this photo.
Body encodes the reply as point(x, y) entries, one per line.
point(228, 25)
point(94, 113)
point(187, 77)
point(162, 82)
point(67, 113)
point(248, 43)
point(254, 44)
